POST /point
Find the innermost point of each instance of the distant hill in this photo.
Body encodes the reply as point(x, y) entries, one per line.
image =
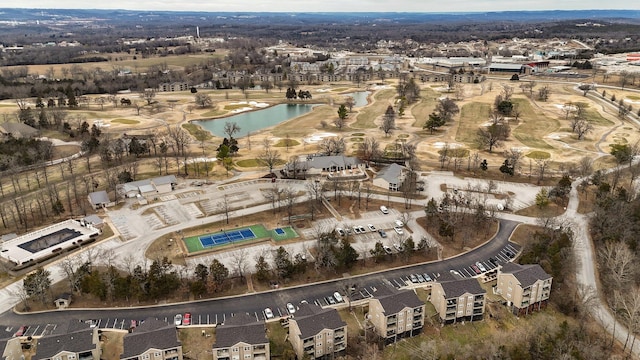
point(127, 16)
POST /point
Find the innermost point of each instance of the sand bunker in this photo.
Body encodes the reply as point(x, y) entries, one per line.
point(314, 138)
point(441, 145)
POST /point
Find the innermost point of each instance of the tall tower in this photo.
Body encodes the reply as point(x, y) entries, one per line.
point(198, 32)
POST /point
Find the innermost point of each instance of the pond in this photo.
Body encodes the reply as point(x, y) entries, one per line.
point(253, 121)
point(359, 97)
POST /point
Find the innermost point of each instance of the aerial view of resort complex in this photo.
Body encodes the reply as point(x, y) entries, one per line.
point(257, 181)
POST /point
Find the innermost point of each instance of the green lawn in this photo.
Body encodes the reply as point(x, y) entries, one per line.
point(125, 121)
point(367, 116)
point(533, 126)
point(472, 115)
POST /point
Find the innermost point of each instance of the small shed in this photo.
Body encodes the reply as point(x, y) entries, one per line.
point(63, 301)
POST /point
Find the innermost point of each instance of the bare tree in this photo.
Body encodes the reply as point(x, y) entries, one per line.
point(269, 157)
point(224, 205)
point(230, 128)
point(148, 95)
point(514, 155)
point(388, 120)
point(239, 262)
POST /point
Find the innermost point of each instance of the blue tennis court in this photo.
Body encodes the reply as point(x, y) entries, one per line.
point(226, 237)
point(279, 231)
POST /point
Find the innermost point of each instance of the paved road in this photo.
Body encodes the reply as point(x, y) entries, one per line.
point(211, 311)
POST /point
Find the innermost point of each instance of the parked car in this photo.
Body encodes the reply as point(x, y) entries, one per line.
point(330, 300)
point(398, 247)
point(291, 309)
point(387, 249)
point(340, 232)
point(371, 227)
point(362, 229)
point(177, 319)
point(413, 278)
point(427, 277)
point(481, 267)
point(399, 223)
point(186, 320)
point(382, 233)
point(356, 229)
point(420, 278)
point(21, 330)
point(338, 297)
point(384, 210)
point(476, 269)
point(268, 314)
point(493, 261)
point(398, 230)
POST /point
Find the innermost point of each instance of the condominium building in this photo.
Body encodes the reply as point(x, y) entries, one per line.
point(459, 300)
point(152, 340)
point(525, 287)
point(317, 333)
point(242, 338)
point(396, 314)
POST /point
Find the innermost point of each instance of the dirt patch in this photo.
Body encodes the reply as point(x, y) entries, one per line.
point(467, 238)
point(197, 342)
point(112, 344)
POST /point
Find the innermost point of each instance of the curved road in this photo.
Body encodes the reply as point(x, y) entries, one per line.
point(218, 309)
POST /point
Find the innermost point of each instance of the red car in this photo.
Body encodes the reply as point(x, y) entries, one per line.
point(186, 320)
point(476, 269)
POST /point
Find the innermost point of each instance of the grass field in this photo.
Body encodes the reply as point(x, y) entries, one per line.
point(472, 115)
point(125, 121)
point(367, 116)
point(533, 126)
point(193, 243)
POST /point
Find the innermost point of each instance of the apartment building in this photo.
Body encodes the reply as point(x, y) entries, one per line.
point(317, 333)
point(396, 314)
point(79, 342)
point(152, 340)
point(241, 337)
point(525, 287)
point(458, 300)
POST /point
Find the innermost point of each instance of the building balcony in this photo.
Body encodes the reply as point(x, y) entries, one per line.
point(339, 347)
point(417, 324)
point(308, 349)
point(452, 302)
point(259, 347)
point(417, 318)
point(391, 332)
point(478, 298)
point(308, 341)
point(477, 312)
point(417, 311)
point(222, 353)
point(451, 308)
point(478, 304)
point(338, 339)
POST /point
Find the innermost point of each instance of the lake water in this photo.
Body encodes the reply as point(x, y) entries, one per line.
point(253, 121)
point(359, 97)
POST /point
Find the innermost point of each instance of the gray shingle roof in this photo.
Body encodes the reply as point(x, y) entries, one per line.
point(76, 342)
point(312, 319)
point(394, 303)
point(99, 197)
point(391, 173)
point(151, 334)
point(527, 275)
point(458, 288)
point(168, 179)
point(240, 328)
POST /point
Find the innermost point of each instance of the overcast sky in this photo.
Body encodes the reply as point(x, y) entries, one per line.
point(330, 5)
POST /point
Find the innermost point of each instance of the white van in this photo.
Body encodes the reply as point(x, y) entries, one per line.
point(384, 210)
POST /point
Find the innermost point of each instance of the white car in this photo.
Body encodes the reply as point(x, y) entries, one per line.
point(481, 267)
point(398, 230)
point(399, 223)
point(291, 309)
point(268, 314)
point(398, 247)
point(387, 249)
point(177, 319)
point(338, 297)
point(371, 227)
point(384, 210)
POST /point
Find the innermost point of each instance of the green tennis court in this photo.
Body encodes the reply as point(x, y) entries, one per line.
point(258, 231)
